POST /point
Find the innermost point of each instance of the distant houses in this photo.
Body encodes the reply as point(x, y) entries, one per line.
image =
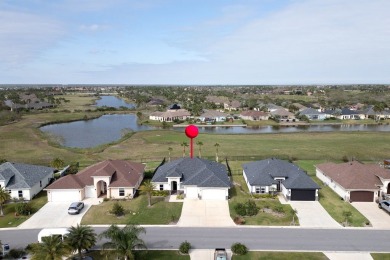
point(28, 101)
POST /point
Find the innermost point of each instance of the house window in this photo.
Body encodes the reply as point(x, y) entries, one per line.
point(40, 183)
point(20, 193)
point(262, 190)
point(121, 192)
point(257, 189)
point(161, 186)
point(9, 191)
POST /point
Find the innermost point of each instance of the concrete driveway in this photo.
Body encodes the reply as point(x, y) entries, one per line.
point(55, 214)
point(205, 213)
point(312, 214)
point(377, 217)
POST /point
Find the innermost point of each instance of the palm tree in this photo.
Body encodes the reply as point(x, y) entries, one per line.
point(123, 241)
point(4, 196)
point(184, 145)
point(80, 237)
point(57, 163)
point(51, 248)
point(170, 149)
point(199, 143)
point(216, 145)
point(147, 188)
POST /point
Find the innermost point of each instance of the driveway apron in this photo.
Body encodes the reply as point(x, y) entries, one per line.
point(205, 213)
point(377, 217)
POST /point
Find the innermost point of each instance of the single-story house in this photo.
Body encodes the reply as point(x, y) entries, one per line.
point(354, 181)
point(197, 178)
point(283, 115)
point(254, 115)
point(24, 180)
point(170, 115)
point(313, 114)
point(212, 116)
point(232, 105)
point(116, 179)
point(275, 175)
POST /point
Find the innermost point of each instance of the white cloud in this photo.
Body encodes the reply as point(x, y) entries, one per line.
point(23, 36)
point(93, 27)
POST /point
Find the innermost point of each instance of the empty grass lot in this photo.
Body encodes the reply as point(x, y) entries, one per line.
point(256, 255)
point(380, 256)
point(331, 202)
point(150, 254)
point(138, 212)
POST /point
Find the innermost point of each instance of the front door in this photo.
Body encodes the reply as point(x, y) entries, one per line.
point(174, 186)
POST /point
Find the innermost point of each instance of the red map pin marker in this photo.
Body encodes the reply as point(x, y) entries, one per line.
point(191, 132)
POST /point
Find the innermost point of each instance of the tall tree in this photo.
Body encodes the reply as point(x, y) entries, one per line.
point(200, 143)
point(80, 237)
point(216, 145)
point(4, 196)
point(170, 149)
point(184, 145)
point(51, 248)
point(147, 188)
point(123, 241)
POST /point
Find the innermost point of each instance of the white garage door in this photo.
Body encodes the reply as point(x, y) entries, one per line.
point(64, 195)
point(90, 192)
point(192, 192)
point(213, 194)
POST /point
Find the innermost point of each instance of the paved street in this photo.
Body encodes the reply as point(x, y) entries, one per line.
point(301, 239)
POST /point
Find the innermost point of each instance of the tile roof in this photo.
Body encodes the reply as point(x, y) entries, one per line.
point(355, 175)
point(23, 176)
point(311, 111)
point(122, 174)
point(263, 173)
point(212, 114)
point(195, 171)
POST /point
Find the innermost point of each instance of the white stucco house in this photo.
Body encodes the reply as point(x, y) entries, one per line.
point(354, 181)
point(111, 178)
point(274, 175)
point(212, 116)
point(197, 178)
point(24, 180)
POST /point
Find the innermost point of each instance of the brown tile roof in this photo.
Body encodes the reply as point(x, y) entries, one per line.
point(355, 175)
point(122, 173)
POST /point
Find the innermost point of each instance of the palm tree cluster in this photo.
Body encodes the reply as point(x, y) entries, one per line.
point(121, 242)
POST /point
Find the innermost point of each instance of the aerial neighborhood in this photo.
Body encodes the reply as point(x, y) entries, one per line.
point(153, 173)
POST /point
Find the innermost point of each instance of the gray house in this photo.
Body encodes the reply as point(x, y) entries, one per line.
point(24, 180)
point(197, 178)
point(274, 175)
point(313, 114)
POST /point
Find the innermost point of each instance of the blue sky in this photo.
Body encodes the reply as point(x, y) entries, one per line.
point(194, 42)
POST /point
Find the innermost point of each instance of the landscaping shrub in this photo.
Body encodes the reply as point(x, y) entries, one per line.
point(239, 220)
point(24, 209)
point(264, 196)
point(240, 209)
point(160, 193)
point(16, 253)
point(279, 209)
point(117, 209)
point(239, 249)
point(180, 196)
point(185, 247)
point(248, 208)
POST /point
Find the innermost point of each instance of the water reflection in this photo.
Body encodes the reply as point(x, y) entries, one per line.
point(113, 101)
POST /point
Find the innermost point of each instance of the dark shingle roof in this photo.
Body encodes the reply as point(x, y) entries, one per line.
point(24, 176)
point(262, 173)
point(195, 171)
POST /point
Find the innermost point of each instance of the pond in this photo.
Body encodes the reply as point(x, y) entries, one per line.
point(113, 101)
point(94, 132)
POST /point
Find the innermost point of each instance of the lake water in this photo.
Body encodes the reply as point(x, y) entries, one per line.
point(113, 101)
point(94, 132)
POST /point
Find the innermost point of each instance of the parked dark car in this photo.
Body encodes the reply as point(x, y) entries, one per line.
point(220, 254)
point(384, 204)
point(75, 208)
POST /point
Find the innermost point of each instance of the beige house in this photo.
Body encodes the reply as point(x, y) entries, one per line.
point(170, 115)
point(254, 115)
point(111, 178)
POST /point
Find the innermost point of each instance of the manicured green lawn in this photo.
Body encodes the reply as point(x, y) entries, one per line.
point(380, 256)
point(150, 254)
point(138, 212)
point(332, 202)
point(9, 219)
point(239, 194)
point(255, 255)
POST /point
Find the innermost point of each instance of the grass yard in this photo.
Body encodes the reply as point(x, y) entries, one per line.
point(9, 219)
point(380, 256)
point(150, 254)
point(331, 202)
point(78, 102)
point(138, 212)
point(256, 255)
point(240, 194)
